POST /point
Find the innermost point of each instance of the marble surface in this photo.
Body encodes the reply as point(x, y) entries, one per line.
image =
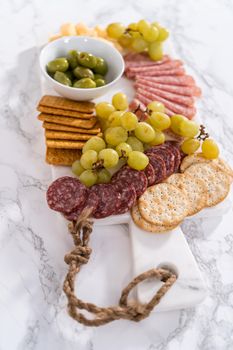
point(32, 244)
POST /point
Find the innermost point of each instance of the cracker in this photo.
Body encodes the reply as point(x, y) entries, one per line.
point(64, 135)
point(147, 226)
point(216, 181)
point(64, 103)
point(64, 144)
point(60, 156)
point(79, 123)
point(52, 126)
point(164, 204)
point(198, 158)
point(65, 113)
point(195, 189)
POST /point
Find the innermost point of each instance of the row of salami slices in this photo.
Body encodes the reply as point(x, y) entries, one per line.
point(70, 197)
point(165, 81)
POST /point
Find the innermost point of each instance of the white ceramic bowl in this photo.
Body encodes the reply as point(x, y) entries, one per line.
point(97, 47)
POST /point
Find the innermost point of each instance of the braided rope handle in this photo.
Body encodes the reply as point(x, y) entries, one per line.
point(80, 255)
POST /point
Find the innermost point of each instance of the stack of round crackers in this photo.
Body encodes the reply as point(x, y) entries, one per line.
point(202, 183)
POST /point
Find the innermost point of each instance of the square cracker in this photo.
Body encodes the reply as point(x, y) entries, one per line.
point(52, 126)
point(74, 122)
point(65, 135)
point(60, 156)
point(64, 144)
point(64, 103)
point(64, 112)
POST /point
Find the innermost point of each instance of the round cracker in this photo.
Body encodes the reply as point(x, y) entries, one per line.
point(195, 189)
point(163, 204)
point(198, 158)
point(147, 226)
point(216, 181)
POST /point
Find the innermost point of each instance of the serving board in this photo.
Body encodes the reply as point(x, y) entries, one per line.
point(169, 250)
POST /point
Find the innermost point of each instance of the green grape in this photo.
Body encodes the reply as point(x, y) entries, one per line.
point(151, 34)
point(95, 143)
point(104, 109)
point(125, 40)
point(129, 121)
point(115, 118)
point(144, 132)
point(137, 160)
point(133, 26)
point(109, 157)
point(88, 178)
point(143, 26)
point(163, 34)
point(176, 121)
point(156, 24)
point(190, 146)
point(188, 128)
point(104, 176)
point(158, 139)
point(135, 35)
point(139, 44)
point(135, 144)
point(123, 149)
point(120, 101)
point(155, 51)
point(115, 30)
point(88, 159)
point(156, 106)
point(104, 124)
point(210, 149)
point(115, 135)
point(159, 120)
point(77, 168)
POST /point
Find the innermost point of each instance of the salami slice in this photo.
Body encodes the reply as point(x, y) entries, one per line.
point(139, 109)
point(176, 150)
point(159, 167)
point(109, 200)
point(150, 174)
point(133, 177)
point(184, 80)
point(90, 205)
point(155, 68)
point(185, 100)
point(66, 194)
point(167, 155)
point(157, 73)
point(128, 197)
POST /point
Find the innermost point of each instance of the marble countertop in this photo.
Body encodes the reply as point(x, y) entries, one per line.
point(32, 304)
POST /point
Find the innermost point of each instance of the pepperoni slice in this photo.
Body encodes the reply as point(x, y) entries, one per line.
point(133, 177)
point(128, 197)
point(66, 194)
point(90, 205)
point(150, 174)
point(159, 166)
point(109, 200)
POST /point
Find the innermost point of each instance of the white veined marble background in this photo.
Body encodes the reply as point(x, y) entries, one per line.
point(32, 305)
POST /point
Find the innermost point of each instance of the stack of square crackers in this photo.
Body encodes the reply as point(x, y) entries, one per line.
point(68, 125)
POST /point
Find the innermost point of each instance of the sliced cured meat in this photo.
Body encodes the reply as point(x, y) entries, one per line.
point(173, 146)
point(150, 174)
point(188, 112)
point(139, 109)
point(184, 80)
point(185, 100)
point(89, 206)
point(128, 197)
point(129, 176)
point(109, 200)
point(143, 57)
point(157, 73)
point(176, 89)
point(66, 194)
point(143, 99)
point(155, 67)
point(167, 155)
point(159, 166)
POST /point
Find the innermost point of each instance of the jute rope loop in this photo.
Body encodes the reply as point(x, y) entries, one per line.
point(80, 255)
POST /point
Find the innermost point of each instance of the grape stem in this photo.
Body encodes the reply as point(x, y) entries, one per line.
point(203, 135)
point(98, 165)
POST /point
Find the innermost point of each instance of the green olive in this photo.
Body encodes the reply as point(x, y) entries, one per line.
point(72, 58)
point(81, 72)
point(100, 82)
point(59, 64)
point(101, 66)
point(87, 60)
point(98, 76)
point(69, 74)
point(85, 83)
point(62, 78)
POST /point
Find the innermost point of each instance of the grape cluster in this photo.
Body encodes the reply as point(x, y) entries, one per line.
point(139, 37)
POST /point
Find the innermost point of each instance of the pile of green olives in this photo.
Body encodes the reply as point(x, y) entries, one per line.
point(79, 70)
